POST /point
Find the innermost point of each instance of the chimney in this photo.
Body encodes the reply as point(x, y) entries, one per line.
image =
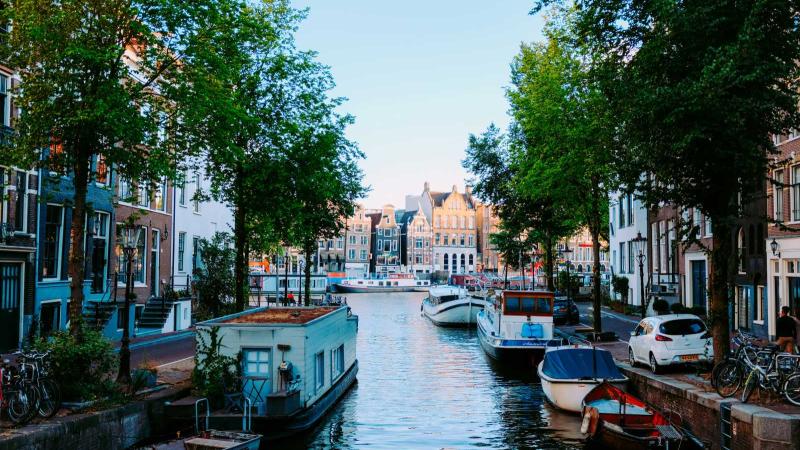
point(427, 187)
point(455, 188)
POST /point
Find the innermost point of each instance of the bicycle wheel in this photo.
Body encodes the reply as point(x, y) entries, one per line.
point(749, 385)
point(791, 389)
point(19, 406)
point(32, 393)
point(49, 398)
point(727, 377)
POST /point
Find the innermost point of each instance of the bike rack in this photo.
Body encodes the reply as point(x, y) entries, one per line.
point(197, 413)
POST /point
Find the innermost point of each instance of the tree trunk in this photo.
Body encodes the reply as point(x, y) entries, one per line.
point(77, 252)
point(596, 303)
point(307, 274)
point(240, 237)
point(721, 253)
point(548, 250)
point(505, 275)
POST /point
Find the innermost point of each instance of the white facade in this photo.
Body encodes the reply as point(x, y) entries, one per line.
point(783, 273)
point(627, 218)
point(194, 220)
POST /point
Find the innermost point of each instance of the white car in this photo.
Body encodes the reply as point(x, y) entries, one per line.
point(670, 339)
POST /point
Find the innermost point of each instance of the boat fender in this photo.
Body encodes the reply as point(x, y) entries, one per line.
point(591, 417)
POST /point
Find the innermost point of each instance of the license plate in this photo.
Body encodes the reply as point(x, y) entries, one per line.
point(690, 357)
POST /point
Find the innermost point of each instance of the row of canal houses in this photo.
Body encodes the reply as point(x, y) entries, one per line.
point(767, 239)
point(444, 232)
point(35, 220)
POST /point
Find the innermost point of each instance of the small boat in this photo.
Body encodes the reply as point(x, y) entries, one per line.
point(213, 440)
point(451, 306)
point(614, 419)
point(400, 282)
point(517, 326)
point(570, 372)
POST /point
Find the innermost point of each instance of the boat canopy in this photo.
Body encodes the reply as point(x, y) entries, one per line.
point(580, 364)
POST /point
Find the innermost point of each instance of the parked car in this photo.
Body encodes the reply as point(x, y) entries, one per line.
point(565, 311)
point(670, 339)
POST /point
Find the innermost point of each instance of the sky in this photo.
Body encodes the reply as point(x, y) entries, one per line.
point(419, 76)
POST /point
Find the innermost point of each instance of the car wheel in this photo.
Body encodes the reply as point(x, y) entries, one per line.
point(631, 359)
point(654, 367)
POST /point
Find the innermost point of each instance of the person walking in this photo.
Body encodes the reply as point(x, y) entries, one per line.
point(785, 331)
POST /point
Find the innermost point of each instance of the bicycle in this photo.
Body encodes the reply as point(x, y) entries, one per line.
point(773, 371)
point(49, 393)
point(727, 375)
point(17, 396)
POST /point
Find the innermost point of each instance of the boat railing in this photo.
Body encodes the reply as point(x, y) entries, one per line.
point(197, 414)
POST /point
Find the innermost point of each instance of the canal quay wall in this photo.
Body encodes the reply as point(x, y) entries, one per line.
point(707, 415)
point(120, 427)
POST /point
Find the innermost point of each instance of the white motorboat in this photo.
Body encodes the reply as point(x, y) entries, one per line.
point(569, 372)
point(517, 326)
point(400, 282)
point(451, 306)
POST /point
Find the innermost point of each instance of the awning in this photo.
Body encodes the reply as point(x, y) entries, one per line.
point(580, 363)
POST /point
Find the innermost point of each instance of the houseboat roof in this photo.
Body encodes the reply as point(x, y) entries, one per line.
point(283, 315)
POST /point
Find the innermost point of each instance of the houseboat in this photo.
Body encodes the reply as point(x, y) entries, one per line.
point(517, 326)
point(451, 306)
point(399, 282)
point(297, 362)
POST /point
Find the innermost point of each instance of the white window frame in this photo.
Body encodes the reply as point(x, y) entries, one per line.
point(319, 371)
point(59, 247)
point(794, 187)
point(777, 193)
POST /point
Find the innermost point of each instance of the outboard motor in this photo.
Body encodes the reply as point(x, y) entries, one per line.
point(285, 371)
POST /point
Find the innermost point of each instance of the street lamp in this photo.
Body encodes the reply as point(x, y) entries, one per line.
point(639, 242)
point(131, 233)
point(566, 251)
point(775, 248)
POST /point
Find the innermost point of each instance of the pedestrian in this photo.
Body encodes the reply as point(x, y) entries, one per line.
point(785, 331)
point(290, 298)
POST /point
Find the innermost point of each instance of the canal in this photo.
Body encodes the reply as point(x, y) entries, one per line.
point(421, 386)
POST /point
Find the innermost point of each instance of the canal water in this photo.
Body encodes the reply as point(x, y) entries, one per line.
point(422, 386)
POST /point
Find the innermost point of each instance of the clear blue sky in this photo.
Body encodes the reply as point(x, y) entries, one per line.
point(420, 76)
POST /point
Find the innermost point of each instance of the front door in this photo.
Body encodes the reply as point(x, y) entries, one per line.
point(699, 283)
point(10, 302)
point(794, 294)
point(155, 243)
point(257, 382)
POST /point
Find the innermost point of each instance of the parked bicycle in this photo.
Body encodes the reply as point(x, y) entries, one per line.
point(18, 397)
point(727, 376)
point(35, 367)
point(773, 371)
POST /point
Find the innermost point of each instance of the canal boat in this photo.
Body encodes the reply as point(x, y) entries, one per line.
point(517, 326)
point(399, 282)
point(212, 439)
point(451, 306)
point(297, 362)
point(614, 419)
point(569, 372)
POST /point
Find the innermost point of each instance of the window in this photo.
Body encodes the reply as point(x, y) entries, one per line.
point(197, 191)
point(795, 193)
point(630, 209)
point(622, 215)
point(99, 255)
point(50, 317)
point(125, 190)
point(51, 244)
point(139, 258)
point(319, 370)
point(758, 311)
point(20, 210)
point(339, 243)
point(471, 240)
point(380, 231)
point(351, 254)
point(120, 318)
point(446, 261)
point(707, 223)
point(182, 191)
point(437, 238)
point(195, 252)
point(337, 362)
point(160, 197)
point(352, 240)
point(471, 260)
point(5, 102)
point(778, 201)
point(444, 221)
point(101, 170)
point(144, 195)
point(462, 222)
point(462, 240)
point(418, 243)
point(364, 240)
point(740, 246)
point(181, 249)
point(630, 257)
point(394, 246)
point(363, 255)
point(471, 223)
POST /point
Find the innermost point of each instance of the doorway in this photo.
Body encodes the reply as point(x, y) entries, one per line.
point(10, 303)
point(699, 283)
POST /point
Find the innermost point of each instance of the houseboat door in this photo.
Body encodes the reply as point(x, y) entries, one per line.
point(10, 296)
point(257, 383)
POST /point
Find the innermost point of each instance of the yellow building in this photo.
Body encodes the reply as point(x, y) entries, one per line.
point(489, 261)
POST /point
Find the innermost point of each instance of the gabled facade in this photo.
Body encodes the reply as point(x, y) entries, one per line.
point(489, 260)
point(358, 231)
point(453, 218)
point(385, 242)
point(417, 252)
point(628, 219)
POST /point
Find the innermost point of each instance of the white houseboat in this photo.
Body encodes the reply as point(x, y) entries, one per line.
point(399, 282)
point(296, 364)
point(452, 306)
point(517, 326)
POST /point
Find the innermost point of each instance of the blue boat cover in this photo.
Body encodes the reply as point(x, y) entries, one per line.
point(577, 363)
point(532, 330)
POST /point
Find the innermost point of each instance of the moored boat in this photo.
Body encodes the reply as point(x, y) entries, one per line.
point(570, 372)
point(451, 306)
point(213, 439)
point(401, 282)
point(614, 419)
point(517, 326)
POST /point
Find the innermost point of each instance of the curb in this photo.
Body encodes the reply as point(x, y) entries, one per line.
point(172, 337)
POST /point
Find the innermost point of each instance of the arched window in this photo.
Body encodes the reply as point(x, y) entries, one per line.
point(446, 260)
point(751, 240)
point(602, 268)
point(741, 249)
point(463, 260)
point(454, 258)
point(580, 268)
point(471, 260)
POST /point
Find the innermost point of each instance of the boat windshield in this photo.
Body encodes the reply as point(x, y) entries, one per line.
point(447, 298)
point(528, 305)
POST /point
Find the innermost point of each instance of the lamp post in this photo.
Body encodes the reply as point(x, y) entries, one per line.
point(565, 253)
point(639, 242)
point(131, 233)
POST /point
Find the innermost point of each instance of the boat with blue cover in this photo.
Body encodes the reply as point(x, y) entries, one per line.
point(569, 372)
point(517, 326)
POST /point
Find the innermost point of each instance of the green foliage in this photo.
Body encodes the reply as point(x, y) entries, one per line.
point(214, 373)
point(660, 305)
point(84, 365)
point(676, 308)
point(621, 286)
point(569, 282)
point(214, 278)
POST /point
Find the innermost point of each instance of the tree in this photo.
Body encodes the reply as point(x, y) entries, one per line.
point(563, 118)
point(697, 88)
point(215, 280)
point(95, 91)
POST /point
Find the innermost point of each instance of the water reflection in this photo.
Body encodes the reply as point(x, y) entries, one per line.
point(421, 386)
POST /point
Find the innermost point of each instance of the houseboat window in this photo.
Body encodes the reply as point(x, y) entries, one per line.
point(337, 362)
point(528, 305)
point(319, 370)
point(543, 305)
point(512, 304)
